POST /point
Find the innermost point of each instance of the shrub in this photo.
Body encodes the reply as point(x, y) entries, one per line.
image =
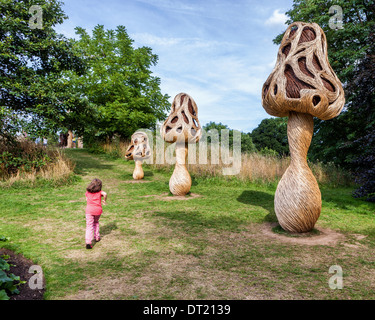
point(27, 161)
point(9, 282)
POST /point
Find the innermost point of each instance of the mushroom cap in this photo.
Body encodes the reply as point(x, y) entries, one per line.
point(139, 148)
point(182, 125)
point(303, 80)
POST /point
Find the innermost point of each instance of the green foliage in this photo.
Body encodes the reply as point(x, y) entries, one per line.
point(9, 282)
point(217, 126)
point(24, 155)
point(271, 134)
point(364, 116)
point(32, 62)
point(268, 152)
point(247, 144)
point(119, 83)
point(11, 163)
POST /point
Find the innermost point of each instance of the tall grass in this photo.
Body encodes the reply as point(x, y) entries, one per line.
point(255, 167)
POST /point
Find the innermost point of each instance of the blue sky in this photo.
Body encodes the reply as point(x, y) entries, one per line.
point(218, 51)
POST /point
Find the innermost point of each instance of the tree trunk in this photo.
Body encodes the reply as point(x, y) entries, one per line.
point(70, 139)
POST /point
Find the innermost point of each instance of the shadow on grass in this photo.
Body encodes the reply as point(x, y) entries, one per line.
point(148, 173)
point(342, 198)
point(129, 176)
point(196, 222)
point(260, 199)
point(107, 229)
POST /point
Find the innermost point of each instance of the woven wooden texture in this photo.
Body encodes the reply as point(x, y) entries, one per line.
point(301, 86)
point(303, 79)
point(138, 150)
point(182, 126)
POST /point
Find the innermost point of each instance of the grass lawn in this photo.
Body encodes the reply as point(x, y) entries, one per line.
point(218, 245)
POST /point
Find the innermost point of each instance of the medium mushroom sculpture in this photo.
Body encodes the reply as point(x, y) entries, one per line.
point(139, 150)
point(301, 86)
point(182, 126)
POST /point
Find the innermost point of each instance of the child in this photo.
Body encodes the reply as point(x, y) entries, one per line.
point(94, 209)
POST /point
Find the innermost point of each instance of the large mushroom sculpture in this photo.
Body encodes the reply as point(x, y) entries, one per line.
point(138, 150)
point(301, 86)
point(182, 126)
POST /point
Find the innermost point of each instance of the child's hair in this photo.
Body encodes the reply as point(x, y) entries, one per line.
point(94, 186)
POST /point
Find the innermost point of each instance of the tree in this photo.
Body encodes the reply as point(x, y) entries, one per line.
point(363, 114)
point(119, 83)
point(31, 63)
point(247, 144)
point(272, 134)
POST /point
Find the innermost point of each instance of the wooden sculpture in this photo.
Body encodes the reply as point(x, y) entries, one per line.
point(301, 86)
point(182, 127)
point(139, 150)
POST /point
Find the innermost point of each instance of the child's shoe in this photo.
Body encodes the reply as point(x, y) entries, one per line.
point(97, 240)
point(88, 246)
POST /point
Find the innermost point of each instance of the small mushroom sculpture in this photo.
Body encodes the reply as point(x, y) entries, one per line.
point(182, 126)
point(301, 86)
point(139, 150)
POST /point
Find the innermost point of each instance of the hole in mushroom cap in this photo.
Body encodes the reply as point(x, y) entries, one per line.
point(293, 84)
point(128, 155)
point(265, 89)
point(286, 49)
point(191, 109)
point(131, 148)
point(195, 123)
point(182, 99)
point(185, 117)
point(316, 100)
point(328, 85)
point(303, 67)
point(167, 129)
point(308, 34)
point(179, 129)
point(299, 51)
point(316, 63)
point(193, 132)
point(275, 90)
point(148, 152)
point(293, 30)
point(175, 119)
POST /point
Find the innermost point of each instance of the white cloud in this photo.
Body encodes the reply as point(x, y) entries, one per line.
point(152, 40)
point(276, 19)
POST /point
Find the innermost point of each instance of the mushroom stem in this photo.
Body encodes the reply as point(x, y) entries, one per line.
point(180, 181)
point(138, 173)
point(297, 199)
